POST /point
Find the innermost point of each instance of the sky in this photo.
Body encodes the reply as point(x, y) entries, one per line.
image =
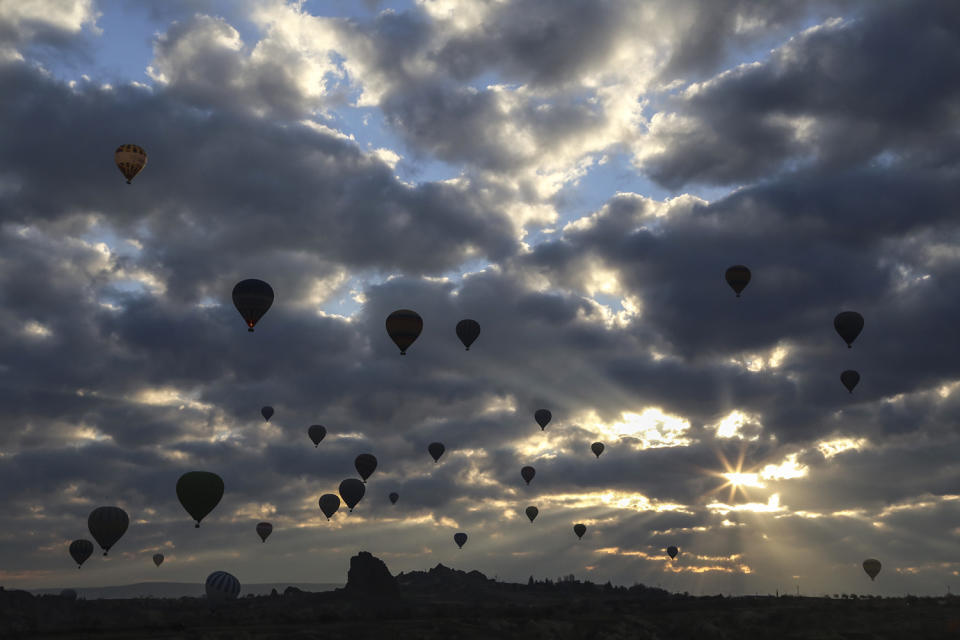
point(576, 176)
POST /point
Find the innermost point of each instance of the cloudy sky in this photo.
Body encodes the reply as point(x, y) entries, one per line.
point(574, 175)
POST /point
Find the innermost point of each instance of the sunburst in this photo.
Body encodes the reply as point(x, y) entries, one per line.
point(736, 477)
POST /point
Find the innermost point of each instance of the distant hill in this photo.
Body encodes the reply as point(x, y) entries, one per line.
point(181, 589)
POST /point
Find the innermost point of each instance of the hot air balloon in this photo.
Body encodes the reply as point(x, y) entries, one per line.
point(467, 331)
point(850, 378)
point(107, 525)
point(199, 492)
point(848, 324)
point(738, 276)
point(672, 551)
point(352, 490)
point(403, 327)
point(460, 539)
point(365, 464)
point(264, 529)
point(579, 529)
point(527, 473)
point(597, 448)
point(221, 586)
point(329, 503)
point(252, 298)
point(436, 450)
point(532, 513)
point(317, 433)
point(394, 496)
point(542, 416)
point(267, 413)
point(80, 550)
point(158, 559)
point(130, 159)
point(872, 567)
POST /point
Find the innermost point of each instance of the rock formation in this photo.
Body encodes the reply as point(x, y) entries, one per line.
point(369, 576)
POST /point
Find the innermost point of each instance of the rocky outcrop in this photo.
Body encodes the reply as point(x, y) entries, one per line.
point(369, 576)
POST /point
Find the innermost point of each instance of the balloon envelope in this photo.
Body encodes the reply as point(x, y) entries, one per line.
point(850, 378)
point(436, 450)
point(738, 276)
point(672, 551)
point(317, 432)
point(460, 539)
point(872, 567)
point(394, 496)
point(403, 327)
point(107, 525)
point(542, 416)
point(264, 529)
point(468, 331)
point(221, 586)
point(158, 559)
point(267, 413)
point(352, 490)
point(848, 324)
point(532, 513)
point(579, 529)
point(365, 465)
point(130, 159)
point(597, 448)
point(252, 298)
point(329, 503)
point(199, 492)
point(80, 550)
point(527, 473)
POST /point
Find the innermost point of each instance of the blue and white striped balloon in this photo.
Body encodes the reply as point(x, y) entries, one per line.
point(222, 586)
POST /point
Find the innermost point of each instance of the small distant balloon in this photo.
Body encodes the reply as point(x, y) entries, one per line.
point(317, 432)
point(672, 551)
point(107, 525)
point(130, 159)
point(872, 567)
point(252, 298)
point(352, 490)
point(221, 586)
point(403, 327)
point(329, 503)
point(365, 465)
point(80, 550)
point(436, 450)
point(527, 473)
point(158, 559)
point(848, 324)
point(264, 529)
point(199, 492)
point(579, 529)
point(738, 276)
point(468, 331)
point(532, 513)
point(460, 539)
point(394, 496)
point(267, 413)
point(542, 416)
point(597, 448)
point(850, 378)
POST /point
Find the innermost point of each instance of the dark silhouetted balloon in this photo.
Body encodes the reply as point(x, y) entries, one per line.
point(672, 551)
point(532, 513)
point(850, 378)
point(158, 559)
point(848, 324)
point(264, 529)
point(80, 550)
point(394, 496)
point(527, 473)
point(130, 159)
point(467, 331)
point(872, 567)
point(403, 327)
point(579, 529)
point(252, 298)
point(267, 413)
point(542, 416)
point(221, 586)
point(460, 539)
point(352, 490)
point(436, 450)
point(738, 276)
point(365, 465)
point(107, 525)
point(329, 503)
point(597, 448)
point(199, 492)
point(317, 433)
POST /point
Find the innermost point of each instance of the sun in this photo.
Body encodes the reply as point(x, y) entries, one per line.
point(736, 477)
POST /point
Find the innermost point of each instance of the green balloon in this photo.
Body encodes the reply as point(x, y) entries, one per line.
point(199, 492)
